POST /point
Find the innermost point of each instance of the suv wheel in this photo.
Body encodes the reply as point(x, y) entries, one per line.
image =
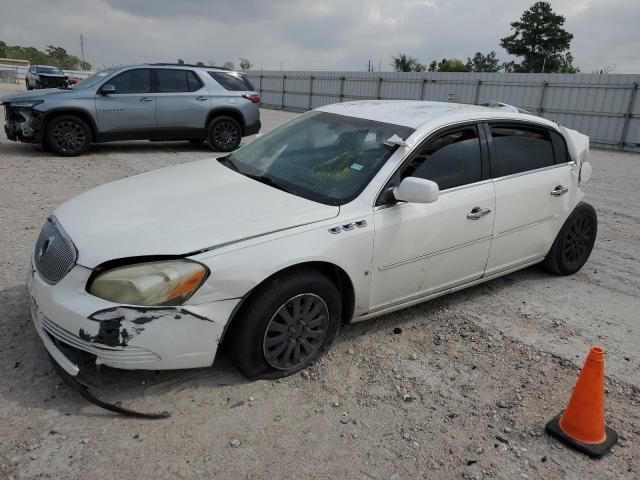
point(287, 324)
point(573, 245)
point(67, 135)
point(224, 134)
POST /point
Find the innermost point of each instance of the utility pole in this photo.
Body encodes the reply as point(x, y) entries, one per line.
point(82, 51)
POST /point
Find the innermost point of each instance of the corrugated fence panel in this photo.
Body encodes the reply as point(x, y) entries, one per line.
point(605, 107)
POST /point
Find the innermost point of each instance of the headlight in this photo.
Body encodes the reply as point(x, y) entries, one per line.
point(169, 282)
point(27, 103)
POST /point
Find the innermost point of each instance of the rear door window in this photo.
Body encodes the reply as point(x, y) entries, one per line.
point(132, 81)
point(559, 148)
point(233, 81)
point(172, 81)
point(520, 148)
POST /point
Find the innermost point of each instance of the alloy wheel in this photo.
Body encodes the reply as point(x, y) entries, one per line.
point(578, 240)
point(69, 136)
point(225, 134)
point(296, 331)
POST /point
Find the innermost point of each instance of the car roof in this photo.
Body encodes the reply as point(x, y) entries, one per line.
point(415, 113)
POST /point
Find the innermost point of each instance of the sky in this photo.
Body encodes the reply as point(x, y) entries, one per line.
point(312, 35)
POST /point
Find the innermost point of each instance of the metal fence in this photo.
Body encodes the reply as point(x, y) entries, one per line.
point(8, 76)
point(605, 107)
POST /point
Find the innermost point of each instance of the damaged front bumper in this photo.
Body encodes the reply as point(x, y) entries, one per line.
point(23, 124)
point(124, 336)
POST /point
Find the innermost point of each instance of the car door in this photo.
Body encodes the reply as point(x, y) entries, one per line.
point(420, 249)
point(532, 178)
point(182, 103)
point(130, 111)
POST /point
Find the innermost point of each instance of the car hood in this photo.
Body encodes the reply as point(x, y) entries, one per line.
point(34, 95)
point(178, 210)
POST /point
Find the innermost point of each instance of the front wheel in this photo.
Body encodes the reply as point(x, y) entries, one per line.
point(224, 134)
point(286, 325)
point(574, 243)
point(67, 135)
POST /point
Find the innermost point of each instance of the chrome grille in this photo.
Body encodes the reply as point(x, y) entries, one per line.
point(55, 255)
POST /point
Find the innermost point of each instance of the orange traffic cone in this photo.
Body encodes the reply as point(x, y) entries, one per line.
point(581, 426)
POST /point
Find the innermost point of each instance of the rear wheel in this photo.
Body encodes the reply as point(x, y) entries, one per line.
point(67, 135)
point(574, 243)
point(286, 325)
point(224, 134)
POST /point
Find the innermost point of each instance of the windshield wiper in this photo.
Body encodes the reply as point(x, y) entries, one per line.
point(227, 162)
point(267, 181)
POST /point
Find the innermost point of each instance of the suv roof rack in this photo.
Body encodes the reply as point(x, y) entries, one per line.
point(162, 64)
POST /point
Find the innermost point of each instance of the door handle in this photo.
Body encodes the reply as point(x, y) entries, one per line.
point(559, 190)
point(201, 98)
point(145, 99)
point(476, 213)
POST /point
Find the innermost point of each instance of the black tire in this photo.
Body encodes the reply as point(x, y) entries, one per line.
point(224, 134)
point(313, 304)
point(37, 87)
point(27, 84)
point(67, 135)
point(574, 243)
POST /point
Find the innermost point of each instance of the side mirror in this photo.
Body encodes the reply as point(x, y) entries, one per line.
point(107, 89)
point(585, 172)
point(417, 190)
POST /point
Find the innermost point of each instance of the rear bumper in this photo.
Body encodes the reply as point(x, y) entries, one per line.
point(253, 128)
point(121, 336)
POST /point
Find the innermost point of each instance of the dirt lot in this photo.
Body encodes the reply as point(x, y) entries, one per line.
point(464, 391)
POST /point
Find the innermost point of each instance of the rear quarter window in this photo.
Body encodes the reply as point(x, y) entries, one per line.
point(235, 82)
point(521, 148)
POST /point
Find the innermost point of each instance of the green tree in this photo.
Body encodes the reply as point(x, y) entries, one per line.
point(508, 67)
point(180, 61)
point(483, 63)
point(245, 64)
point(405, 63)
point(229, 65)
point(53, 56)
point(452, 65)
point(200, 64)
point(433, 66)
point(58, 54)
point(540, 39)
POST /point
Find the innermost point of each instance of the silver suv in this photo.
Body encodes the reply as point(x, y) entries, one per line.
point(153, 101)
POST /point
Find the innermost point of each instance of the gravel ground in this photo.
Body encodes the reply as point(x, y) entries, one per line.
point(463, 391)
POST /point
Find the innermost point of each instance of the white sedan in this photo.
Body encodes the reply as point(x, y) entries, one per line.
point(345, 213)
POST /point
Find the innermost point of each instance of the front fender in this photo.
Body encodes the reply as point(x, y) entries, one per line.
point(238, 269)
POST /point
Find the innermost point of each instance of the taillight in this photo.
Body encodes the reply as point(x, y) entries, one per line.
point(253, 98)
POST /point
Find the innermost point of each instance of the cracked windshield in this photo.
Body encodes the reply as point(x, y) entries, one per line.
point(321, 156)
